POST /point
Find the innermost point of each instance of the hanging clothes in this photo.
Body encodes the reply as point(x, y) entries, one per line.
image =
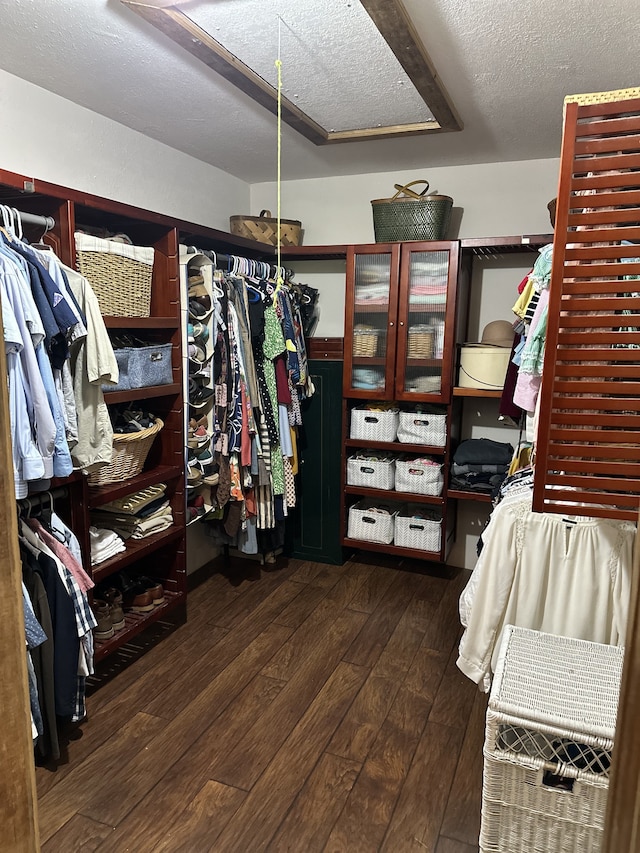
point(563, 575)
point(260, 375)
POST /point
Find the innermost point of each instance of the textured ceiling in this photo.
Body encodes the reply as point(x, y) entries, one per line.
point(507, 66)
point(315, 68)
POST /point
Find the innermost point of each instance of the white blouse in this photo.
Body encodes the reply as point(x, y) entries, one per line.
point(569, 576)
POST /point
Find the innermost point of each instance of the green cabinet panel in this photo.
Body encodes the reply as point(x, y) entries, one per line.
point(313, 531)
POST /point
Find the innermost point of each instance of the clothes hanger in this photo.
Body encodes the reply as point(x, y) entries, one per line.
point(18, 223)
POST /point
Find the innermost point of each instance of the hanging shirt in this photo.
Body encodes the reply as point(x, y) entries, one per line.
point(537, 570)
point(92, 363)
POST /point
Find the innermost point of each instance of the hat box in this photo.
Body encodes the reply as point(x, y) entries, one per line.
point(483, 367)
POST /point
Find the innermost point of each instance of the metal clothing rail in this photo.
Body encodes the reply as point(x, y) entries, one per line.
point(42, 498)
point(45, 223)
point(224, 262)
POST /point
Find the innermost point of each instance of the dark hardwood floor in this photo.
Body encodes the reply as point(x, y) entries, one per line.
point(307, 708)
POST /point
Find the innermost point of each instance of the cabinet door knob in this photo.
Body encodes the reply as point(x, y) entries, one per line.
point(391, 323)
point(402, 322)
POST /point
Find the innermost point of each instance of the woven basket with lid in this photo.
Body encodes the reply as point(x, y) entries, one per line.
point(264, 229)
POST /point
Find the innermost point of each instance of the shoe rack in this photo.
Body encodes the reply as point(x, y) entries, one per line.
point(197, 273)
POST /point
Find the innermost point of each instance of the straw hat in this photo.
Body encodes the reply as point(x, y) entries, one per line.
point(498, 333)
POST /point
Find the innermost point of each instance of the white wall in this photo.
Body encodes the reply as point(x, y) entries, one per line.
point(48, 137)
point(490, 200)
point(493, 199)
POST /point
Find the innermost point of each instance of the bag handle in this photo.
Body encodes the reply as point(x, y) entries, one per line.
point(406, 189)
point(265, 213)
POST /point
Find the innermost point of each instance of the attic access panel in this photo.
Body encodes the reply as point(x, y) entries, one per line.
point(352, 69)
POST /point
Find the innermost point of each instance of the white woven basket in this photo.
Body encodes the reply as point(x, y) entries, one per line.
point(520, 814)
point(372, 526)
point(374, 426)
point(419, 428)
point(371, 473)
point(423, 534)
point(548, 744)
point(418, 477)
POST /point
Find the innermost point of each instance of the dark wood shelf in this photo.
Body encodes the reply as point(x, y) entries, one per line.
point(111, 492)
point(424, 362)
point(414, 553)
point(461, 495)
point(142, 322)
point(396, 446)
point(368, 361)
point(135, 550)
point(111, 397)
point(377, 308)
point(494, 246)
point(393, 495)
point(477, 392)
point(314, 253)
point(135, 623)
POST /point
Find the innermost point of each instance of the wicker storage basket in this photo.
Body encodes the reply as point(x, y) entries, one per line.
point(423, 428)
point(548, 744)
point(365, 341)
point(373, 473)
point(130, 452)
point(410, 215)
point(370, 425)
point(419, 477)
point(418, 528)
point(264, 229)
point(420, 342)
point(119, 274)
point(370, 525)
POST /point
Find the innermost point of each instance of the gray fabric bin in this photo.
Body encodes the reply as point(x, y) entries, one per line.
point(141, 367)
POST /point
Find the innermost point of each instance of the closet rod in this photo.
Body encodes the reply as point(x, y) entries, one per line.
point(45, 222)
point(222, 263)
point(43, 497)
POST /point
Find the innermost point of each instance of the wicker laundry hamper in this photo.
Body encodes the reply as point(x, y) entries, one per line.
point(548, 744)
point(264, 229)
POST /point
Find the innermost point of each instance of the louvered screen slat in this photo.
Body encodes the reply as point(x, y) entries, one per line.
point(588, 449)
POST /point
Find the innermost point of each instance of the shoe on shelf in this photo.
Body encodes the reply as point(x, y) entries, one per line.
point(154, 588)
point(202, 421)
point(196, 279)
point(104, 630)
point(205, 457)
point(210, 474)
point(197, 310)
point(113, 597)
point(135, 596)
point(198, 438)
point(197, 333)
point(198, 354)
point(199, 395)
point(194, 476)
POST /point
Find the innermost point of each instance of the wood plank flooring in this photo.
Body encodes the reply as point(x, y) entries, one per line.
point(305, 708)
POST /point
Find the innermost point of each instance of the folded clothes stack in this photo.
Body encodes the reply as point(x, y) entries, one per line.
point(138, 515)
point(104, 545)
point(480, 465)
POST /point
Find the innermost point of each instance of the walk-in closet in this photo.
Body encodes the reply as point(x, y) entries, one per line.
point(319, 471)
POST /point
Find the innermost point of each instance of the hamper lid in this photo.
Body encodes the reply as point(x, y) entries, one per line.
point(498, 333)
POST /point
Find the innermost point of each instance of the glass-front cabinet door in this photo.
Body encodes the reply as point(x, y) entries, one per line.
point(426, 319)
point(371, 321)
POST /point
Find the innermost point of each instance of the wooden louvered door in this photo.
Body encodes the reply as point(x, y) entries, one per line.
point(588, 450)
